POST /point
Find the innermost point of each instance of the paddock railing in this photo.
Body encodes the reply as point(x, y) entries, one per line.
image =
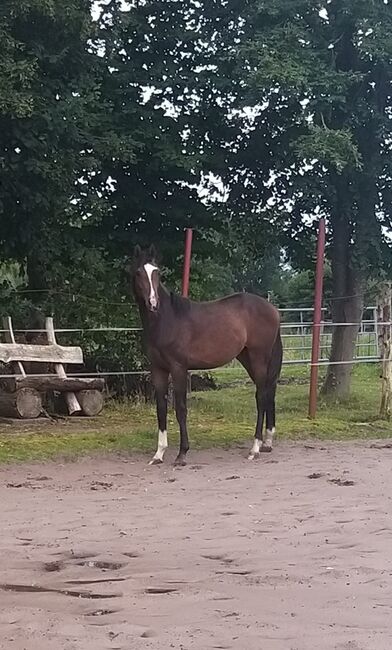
point(296, 337)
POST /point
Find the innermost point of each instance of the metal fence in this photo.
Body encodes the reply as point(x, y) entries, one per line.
point(297, 335)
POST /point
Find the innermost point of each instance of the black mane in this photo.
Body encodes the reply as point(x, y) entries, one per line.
point(180, 304)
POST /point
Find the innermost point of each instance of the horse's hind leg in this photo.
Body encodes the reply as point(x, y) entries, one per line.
point(269, 398)
point(274, 369)
point(256, 367)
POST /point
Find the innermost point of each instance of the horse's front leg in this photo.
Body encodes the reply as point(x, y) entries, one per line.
point(179, 376)
point(160, 380)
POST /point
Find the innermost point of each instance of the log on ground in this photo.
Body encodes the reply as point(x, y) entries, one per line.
point(60, 384)
point(91, 402)
point(24, 403)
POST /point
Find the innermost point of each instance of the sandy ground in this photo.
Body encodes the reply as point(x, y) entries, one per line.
point(224, 553)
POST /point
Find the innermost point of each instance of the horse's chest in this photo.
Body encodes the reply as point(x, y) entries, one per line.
point(163, 354)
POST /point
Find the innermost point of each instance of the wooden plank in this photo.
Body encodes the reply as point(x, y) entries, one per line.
point(72, 384)
point(13, 352)
point(10, 338)
point(70, 398)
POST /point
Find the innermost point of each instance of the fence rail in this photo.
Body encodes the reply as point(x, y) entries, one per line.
point(296, 338)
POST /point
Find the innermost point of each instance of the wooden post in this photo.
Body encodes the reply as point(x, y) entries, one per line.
point(318, 297)
point(185, 279)
point(10, 338)
point(384, 316)
point(70, 398)
point(187, 262)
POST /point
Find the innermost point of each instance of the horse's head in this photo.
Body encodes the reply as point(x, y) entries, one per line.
point(146, 278)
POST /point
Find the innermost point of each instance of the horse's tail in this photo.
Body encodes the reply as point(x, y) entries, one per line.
point(275, 364)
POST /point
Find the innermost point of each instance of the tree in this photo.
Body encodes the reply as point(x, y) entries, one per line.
point(54, 124)
point(91, 161)
point(108, 128)
point(161, 85)
point(318, 142)
point(16, 73)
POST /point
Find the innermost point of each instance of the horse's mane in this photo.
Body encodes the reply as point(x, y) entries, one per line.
point(180, 304)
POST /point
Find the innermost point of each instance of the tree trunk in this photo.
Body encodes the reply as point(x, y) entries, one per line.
point(36, 280)
point(338, 380)
point(347, 299)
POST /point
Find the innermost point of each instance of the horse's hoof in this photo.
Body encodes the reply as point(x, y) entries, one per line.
point(252, 456)
point(265, 449)
point(156, 461)
point(180, 462)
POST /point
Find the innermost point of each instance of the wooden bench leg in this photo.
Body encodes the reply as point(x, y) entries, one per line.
point(70, 398)
point(10, 338)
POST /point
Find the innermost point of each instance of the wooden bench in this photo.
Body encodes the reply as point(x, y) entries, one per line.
point(22, 394)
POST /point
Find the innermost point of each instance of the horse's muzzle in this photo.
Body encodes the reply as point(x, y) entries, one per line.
point(153, 306)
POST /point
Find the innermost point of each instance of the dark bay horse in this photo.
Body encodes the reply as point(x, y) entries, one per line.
point(182, 335)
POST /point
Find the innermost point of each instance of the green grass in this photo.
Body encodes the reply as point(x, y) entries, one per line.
point(220, 418)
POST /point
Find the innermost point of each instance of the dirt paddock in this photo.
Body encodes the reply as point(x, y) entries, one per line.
point(290, 552)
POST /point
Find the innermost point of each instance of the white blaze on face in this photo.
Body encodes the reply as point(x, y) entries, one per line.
point(149, 268)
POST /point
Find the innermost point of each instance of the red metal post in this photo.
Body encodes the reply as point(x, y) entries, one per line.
point(318, 298)
point(187, 261)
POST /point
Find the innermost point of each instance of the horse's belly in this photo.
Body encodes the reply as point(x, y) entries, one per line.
point(212, 354)
point(195, 364)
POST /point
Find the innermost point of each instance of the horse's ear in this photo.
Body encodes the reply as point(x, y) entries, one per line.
point(137, 251)
point(152, 252)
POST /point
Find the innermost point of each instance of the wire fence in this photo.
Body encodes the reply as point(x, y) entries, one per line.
point(296, 337)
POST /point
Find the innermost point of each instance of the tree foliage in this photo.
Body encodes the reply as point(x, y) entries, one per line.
point(318, 79)
point(109, 124)
point(51, 146)
point(92, 158)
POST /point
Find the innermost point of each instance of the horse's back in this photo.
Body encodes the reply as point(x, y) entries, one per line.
point(257, 318)
point(262, 318)
point(242, 298)
point(250, 305)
